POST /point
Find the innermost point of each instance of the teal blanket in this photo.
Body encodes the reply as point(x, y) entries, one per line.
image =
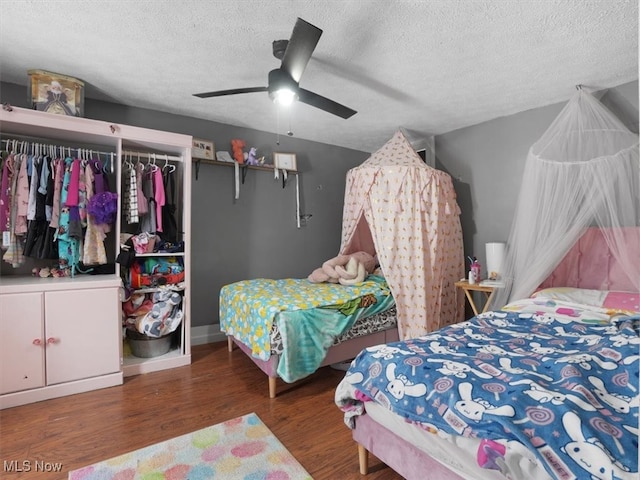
point(308, 334)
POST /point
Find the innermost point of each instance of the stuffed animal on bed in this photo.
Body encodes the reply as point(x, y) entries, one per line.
point(345, 269)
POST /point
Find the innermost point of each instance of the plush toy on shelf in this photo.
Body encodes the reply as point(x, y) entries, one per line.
point(237, 146)
point(251, 158)
point(345, 269)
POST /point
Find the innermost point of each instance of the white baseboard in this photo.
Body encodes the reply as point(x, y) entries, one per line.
point(207, 334)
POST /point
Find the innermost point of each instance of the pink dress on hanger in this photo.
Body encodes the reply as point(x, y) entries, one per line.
point(22, 198)
point(158, 187)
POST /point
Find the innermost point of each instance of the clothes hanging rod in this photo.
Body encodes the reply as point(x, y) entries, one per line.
point(151, 156)
point(54, 142)
point(20, 145)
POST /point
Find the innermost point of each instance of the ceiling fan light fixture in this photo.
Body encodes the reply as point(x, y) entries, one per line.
point(283, 86)
point(283, 89)
point(285, 96)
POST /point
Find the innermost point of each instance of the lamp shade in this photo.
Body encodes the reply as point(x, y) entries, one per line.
point(495, 260)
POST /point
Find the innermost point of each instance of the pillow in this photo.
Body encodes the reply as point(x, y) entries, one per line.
point(624, 301)
point(582, 296)
point(612, 300)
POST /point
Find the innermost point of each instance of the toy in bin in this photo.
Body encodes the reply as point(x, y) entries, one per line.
point(156, 272)
point(151, 319)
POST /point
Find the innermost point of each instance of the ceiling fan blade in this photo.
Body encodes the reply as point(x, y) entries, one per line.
point(233, 91)
point(323, 103)
point(303, 41)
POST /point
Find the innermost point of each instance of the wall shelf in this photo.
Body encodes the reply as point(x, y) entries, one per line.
point(244, 167)
point(241, 173)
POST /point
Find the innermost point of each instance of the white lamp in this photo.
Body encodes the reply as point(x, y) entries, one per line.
point(495, 260)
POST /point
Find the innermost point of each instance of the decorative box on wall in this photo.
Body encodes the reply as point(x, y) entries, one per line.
point(203, 150)
point(54, 93)
point(285, 161)
point(56, 350)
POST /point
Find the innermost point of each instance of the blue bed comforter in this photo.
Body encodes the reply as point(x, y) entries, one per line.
point(559, 379)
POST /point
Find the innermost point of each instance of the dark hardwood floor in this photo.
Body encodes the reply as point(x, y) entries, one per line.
point(82, 429)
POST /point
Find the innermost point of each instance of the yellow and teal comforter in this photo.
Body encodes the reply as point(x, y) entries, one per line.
point(309, 316)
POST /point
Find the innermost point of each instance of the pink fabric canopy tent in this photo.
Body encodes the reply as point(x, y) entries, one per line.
point(399, 208)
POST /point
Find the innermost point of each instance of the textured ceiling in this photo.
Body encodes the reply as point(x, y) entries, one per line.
point(427, 66)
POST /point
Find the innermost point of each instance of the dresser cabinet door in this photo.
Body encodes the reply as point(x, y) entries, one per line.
point(82, 334)
point(22, 342)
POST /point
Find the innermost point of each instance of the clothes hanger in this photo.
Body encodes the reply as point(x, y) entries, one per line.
point(127, 161)
point(154, 167)
point(167, 165)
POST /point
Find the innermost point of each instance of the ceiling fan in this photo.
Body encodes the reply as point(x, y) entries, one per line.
point(283, 83)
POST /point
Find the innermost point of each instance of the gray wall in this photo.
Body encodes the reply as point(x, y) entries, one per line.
point(256, 235)
point(487, 161)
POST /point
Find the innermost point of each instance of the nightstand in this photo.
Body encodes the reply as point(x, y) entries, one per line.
point(488, 290)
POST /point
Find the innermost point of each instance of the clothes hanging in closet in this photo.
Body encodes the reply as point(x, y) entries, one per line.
point(131, 196)
point(40, 241)
point(169, 223)
point(148, 190)
point(94, 252)
point(158, 191)
point(8, 205)
point(148, 220)
point(43, 210)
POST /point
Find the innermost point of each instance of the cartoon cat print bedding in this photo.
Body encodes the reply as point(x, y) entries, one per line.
point(564, 384)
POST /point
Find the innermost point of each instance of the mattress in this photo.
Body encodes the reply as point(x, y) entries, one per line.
point(456, 453)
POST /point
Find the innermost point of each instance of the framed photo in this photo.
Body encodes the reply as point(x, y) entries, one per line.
point(54, 93)
point(203, 149)
point(285, 161)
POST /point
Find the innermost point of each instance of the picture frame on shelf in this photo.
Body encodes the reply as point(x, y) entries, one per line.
point(285, 161)
point(55, 93)
point(203, 149)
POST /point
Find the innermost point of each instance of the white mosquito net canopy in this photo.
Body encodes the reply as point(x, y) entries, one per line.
point(398, 207)
point(583, 172)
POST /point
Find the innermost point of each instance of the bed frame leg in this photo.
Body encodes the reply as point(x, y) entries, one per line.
point(229, 343)
point(363, 460)
point(272, 387)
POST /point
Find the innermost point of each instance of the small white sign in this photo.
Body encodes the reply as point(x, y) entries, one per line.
point(203, 149)
point(285, 161)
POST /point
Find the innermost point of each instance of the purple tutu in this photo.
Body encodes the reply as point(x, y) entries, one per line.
point(103, 207)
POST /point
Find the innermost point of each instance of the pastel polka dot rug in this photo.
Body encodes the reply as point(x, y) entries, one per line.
point(242, 448)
